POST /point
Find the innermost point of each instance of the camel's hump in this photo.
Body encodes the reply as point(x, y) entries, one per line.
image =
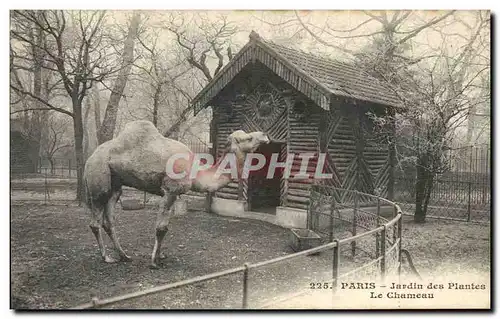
point(141, 133)
point(140, 129)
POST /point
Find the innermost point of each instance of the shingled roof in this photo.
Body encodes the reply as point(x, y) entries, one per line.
point(318, 78)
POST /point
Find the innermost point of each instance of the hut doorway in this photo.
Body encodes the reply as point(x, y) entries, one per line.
point(264, 193)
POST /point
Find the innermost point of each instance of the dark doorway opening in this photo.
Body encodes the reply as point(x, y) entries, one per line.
point(264, 193)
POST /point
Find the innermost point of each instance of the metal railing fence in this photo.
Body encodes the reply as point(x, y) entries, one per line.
point(388, 234)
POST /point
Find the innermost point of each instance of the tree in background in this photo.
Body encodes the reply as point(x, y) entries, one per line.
point(413, 54)
point(75, 49)
point(201, 41)
point(57, 139)
point(107, 127)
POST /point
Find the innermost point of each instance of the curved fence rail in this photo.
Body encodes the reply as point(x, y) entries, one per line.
point(346, 219)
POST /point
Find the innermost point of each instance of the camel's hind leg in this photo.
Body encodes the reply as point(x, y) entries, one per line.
point(108, 224)
point(95, 226)
point(163, 219)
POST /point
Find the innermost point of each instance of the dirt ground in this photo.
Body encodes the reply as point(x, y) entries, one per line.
point(55, 263)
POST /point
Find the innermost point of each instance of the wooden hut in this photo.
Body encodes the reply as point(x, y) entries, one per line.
point(305, 103)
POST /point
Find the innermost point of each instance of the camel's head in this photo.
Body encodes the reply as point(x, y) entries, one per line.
point(240, 141)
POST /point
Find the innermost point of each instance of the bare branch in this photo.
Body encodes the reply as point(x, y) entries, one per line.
point(50, 106)
point(424, 26)
point(321, 40)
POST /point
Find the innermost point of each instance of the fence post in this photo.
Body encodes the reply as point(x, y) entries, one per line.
point(354, 222)
point(382, 248)
point(394, 234)
point(69, 167)
point(208, 201)
point(377, 235)
point(332, 211)
point(470, 186)
point(468, 202)
point(245, 286)
point(46, 186)
point(144, 201)
point(400, 245)
point(309, 211)
point(335, 266)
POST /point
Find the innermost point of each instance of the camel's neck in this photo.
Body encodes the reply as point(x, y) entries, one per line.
point(221, 173)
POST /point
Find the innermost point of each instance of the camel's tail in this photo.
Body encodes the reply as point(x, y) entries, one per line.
point(88, 197)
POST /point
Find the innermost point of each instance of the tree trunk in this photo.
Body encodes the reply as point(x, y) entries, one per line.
point(35, 130)
point(420, 190)
point(52, 165)
point(471, 125)
point(156, 99)
point(80, 159)
point(86, 137)
point(108, 125)
point(173, 131)
point(427, 196)
point(33, 154)
point(97, 109)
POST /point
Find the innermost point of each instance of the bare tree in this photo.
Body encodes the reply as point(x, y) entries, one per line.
point(74, 48)
point(56, 139)
point(202, 41)
point(106, 130)
point(440, 88)
point(159, 72)
point(29, 75)
point(438, 94)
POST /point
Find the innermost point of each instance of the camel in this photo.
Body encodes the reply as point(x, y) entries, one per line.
point(138, 158)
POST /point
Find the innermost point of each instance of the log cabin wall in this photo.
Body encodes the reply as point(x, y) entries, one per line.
point(224, 123)
point(257, 99)
point(357, 156)
point(376, 155)
point(260, 89)
point(305, 119)
point(253, 101)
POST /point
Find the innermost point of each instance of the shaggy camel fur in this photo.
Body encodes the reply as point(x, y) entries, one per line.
point(137, 158)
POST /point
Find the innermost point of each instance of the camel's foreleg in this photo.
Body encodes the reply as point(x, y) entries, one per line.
point(108, 224)
point(163, 219)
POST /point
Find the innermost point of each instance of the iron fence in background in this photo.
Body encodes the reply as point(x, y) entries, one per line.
point(55, 181)
point(462, 192)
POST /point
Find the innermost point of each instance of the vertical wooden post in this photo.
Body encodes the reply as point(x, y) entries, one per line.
point(144, 201)
point(354, 221)
point(392, 155)
point(240, 189)
point(308, 217)
point(69, 167)
point(470, 185)
point(245, 287)
point(208, 202)
point(394, 234)
point(377, 235)
point(46, 186)
point(335, 266)
point(332, 211)
point(382, 248)
point(400, 246)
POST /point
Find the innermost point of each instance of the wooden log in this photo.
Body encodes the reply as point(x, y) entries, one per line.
point(298, 192)
point(295, 184)
point(226, 195)
point(297, 205)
